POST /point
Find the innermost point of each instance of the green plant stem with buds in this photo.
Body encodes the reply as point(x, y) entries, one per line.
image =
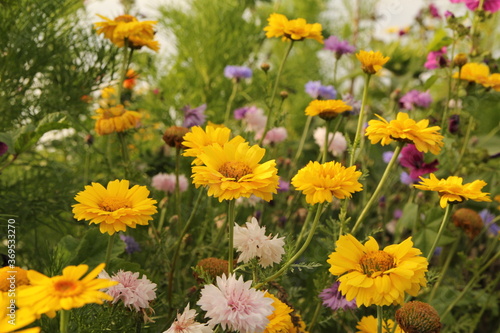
point(230, 223)
point(359, 128)
point(448, 95)
point(380, 185)
point(177, 187)
point(443, 225)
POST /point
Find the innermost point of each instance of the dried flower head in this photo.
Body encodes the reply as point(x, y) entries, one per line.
point(469, 221)
point(418, 317)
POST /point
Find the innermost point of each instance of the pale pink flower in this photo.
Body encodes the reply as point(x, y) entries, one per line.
point(252, 242)
point(134, 292)
point(273, 136)
point(255, 119)
point(185, 323)
point(338, 143)
point(166, 182)
point(236, 306)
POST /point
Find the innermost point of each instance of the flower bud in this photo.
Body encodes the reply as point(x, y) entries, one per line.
point(418, 317)
point(265, 67)
point(174, 136)
point(460, 60)
point(213, 267)
point(469, 221)
point(284, 94)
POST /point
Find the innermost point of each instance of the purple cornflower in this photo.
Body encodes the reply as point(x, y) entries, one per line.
point(241, 112)
point(405, 178)
point(318, 91)
point(237, 72)
point(415, 98)
point(397, 214)
point(436, 59)
point(333, 298)
point(356, 104)
point(3, 148)
point(487, 217)
point(340, 47)
point(194, 117)
point(387, 156)
point(130, 243)
point(283, 185)
point(413, 159)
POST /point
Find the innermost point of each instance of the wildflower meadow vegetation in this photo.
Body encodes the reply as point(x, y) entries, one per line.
point(250, 166)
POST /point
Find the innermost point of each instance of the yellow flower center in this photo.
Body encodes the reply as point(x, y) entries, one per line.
point(125, 18)
point(377, 261)
point(114, 111)
point(111, 204)
point(67, 288)
point(234, 169)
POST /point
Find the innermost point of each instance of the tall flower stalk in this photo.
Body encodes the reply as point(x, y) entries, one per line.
point(442, 226)
point(359, 127)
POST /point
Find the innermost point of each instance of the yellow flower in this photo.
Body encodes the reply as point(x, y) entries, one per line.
point(108, 98)
point(474, 72)
point(374, 276)
point(493, 81)
point(66, 291)
point(127, 27)
point(497, 199)
point(233, 171)
point(327, 109)
point(23, 316)
point(116, 207)
point(279, 320)
point(299, 325)
point(295, 30)
point(369, 325)
point(406, 130)
point(322, 182)
point(115, 119)
point(452, 191)
point(198, 139)
point(371, 62)
point(12, 277)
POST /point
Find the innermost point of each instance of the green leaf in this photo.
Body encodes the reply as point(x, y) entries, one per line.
point(440, 39)
point(408, 218)
point(92, 248)
point(430, 82)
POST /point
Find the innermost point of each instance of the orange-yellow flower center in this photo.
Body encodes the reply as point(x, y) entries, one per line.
point(111, 204)
point(377, 261)
point(67, 288)
point(114, 111)
point(235, 169)
point(124, 18)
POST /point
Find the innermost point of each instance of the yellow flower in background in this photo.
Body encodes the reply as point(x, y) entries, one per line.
point(279, 320)
point(327, 109)
point(371, 62)
point(20, 278)
point(23, 317)
point(374, 276)
point(369, 325)
point(497, 199)
point(115, 119)
point(321, 182)
point(127, 27)
point(296, 30)
point(116, 207)
point(452, 191)
point(198, 139)
point(473, 72)
point(493, 81)
point(233, 171)
point(406, 130)
point(108, 98)
point(66, 291)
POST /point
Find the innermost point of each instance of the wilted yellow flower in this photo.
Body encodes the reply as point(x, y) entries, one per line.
point(406, 130)
point(371, 62)
point(127, 27)
point(369, 325)
point(115, 119)
point(452, 191)
point(322, 182)
point(493, 81)
point(474, 72)
point(374, 276)
point(295, 30)
point(327, 109)
point(116, 207)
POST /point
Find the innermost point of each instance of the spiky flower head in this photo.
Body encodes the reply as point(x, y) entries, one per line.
point(214, 267)
point(418, 317)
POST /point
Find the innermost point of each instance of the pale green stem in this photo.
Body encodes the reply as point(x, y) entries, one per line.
point(273, 94)
point(379, 319)
point(109, 249)
point(443, 270)
point(304, 228)
point(360, 121)
point(380, 185)
point(315, 317)
point(302, 139)
point(474, 28)
point(124, 151)
point(335, 66)
point(177, 187)
point(300, 251)
point(123, 72)
point(230, 222)
point(443, 225)
point(64, 320)
point(448, 96)
point(163, 214)
point(465, 144)
point(325, 144)
point(230, 102)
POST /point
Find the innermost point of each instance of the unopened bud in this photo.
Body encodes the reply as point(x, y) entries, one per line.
point(174, 136)
point(284, 94)
point(265, 67)
point(460, 60)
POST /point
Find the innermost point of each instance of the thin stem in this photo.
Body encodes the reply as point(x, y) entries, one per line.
point(360, 121)
point(315, 317)
point(109, 249)
point(230, 101)
point(177, 186)
point(465, 144)
point(163, 214)
point(379, 319)
point(443, 225)
point(302, 139)
point(230, 222)
point(124, 151)
point(380, 185)
point(124, 69)
point(64, 320)
point(443, 270)
point(450, 80)
point(273, 94)
point(335, 66)
point(325, 144)
point(304, 228)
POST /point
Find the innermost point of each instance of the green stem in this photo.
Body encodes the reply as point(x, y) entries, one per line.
point(379, 319)
point(335, 66)
point(230, 222)
point(304, 228)
point(465, 144)
point(109, 249)
point(380, 185)
point(177, 187)
point(273, 94)
point(300, 251)
point(443, 270)
point(163, 214)
point(325, 144)
point(448, 96)
point(360, 121)
point(124, 151)
point(315, 317)
point(302, 140)
point(443, 225)
point(64, 320)
point(123, 71)
point(230, 102)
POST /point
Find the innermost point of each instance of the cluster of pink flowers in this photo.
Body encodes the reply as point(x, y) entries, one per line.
point(337, 142)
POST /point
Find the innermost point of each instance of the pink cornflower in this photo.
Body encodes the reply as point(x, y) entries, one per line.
point(166, 182)
point(273, 136)
point(338, 143)
point(236, 306)
point(255, 119)
point(134, 292)
point(491, 6)
point(252, 242)
point(436, 59)
point(185, 323)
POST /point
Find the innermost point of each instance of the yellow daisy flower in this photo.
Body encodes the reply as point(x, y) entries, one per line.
point(327, 109)
point(7, 282)
point(116, 207)
point(371, 62)
point(497, 199)
point(197, 139)
point(322, 182)
point(233, 171)
point(23, 317)
point(299, 326)
point(406, 130)
point(374, 276)
point(493, 81)
point(295, 30)
point(473, 72)
point(137, 33)
point(452, 191)
point(115, 119)
point(369, 325)
point(279, 320)
point(66, 291)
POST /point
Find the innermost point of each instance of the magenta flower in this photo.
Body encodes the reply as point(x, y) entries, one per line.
point(3, 148)
point(237, 72)
point(318, 91)
point(333, 298)
point(491, 6)
point(415, 98)
point(413, 159)
point(433, 10)
point(436, 59)
point(340, 47)
point(194, 117)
